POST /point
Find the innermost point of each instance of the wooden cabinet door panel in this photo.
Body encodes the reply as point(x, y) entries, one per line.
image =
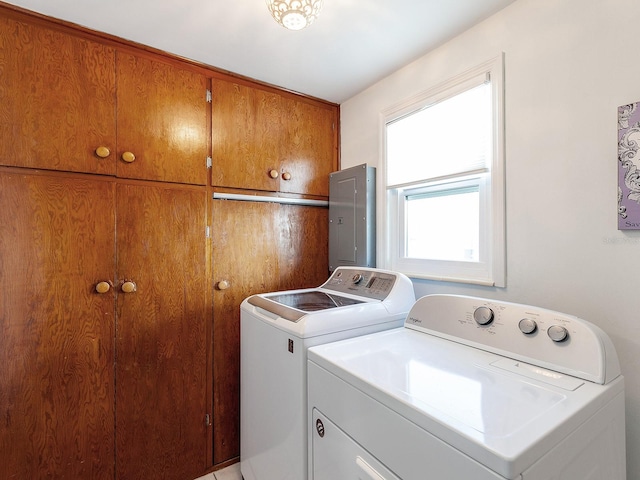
point(162, 120)
point(161, 332)
point(255, 131)
point(245, 136)
point(309, 147)
point(258, 247)
point(56, 332)
point(245, 254)
point(57, 100)
point(303, 246)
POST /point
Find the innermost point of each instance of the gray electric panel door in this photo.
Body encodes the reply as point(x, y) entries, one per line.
point(352, 217)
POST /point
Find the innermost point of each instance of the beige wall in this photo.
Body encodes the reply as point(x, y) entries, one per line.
point(568, 65)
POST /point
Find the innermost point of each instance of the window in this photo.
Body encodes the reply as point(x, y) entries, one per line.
point(444, 178)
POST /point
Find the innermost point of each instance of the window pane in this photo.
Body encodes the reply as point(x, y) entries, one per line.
point(451, 136)
point(443, 225)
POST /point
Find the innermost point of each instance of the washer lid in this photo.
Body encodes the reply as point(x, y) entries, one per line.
point(503, 419)
point(302, 301)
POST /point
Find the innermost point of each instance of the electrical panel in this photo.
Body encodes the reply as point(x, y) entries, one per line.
point(352, 217)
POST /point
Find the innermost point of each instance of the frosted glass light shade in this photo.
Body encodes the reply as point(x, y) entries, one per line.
point(294, 14)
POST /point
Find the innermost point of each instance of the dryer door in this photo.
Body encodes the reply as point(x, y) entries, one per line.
point(336, 455)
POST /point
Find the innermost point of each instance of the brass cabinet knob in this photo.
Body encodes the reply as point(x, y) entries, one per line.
point(128, 157)
point(223, 285)
point(128, 287)
point(103, 152)
point(286, 176)
point(273, 174)
point(103, 287)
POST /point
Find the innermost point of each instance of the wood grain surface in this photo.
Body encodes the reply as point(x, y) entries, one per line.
point(244, 256)
point(56, 332)
point(308, 147)
point(246, 131)
point(303, 247)
point(255, 131)
point(57, 100)
point(258, 248)
point(161, 330)
point(162, 120)
point(117, 385)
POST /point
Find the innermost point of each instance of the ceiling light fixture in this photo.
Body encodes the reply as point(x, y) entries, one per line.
point(294, 14)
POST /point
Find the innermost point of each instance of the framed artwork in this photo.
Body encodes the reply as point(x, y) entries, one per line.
point(629, 167)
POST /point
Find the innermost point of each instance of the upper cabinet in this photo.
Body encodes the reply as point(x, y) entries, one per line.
point(57, 99)
point(271, 141)
point(67, 103)
point(308, 146)
point(162, 121)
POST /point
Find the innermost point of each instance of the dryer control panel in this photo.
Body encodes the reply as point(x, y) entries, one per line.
point(557, 341)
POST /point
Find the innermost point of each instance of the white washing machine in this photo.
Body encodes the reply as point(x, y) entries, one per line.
point(276, 329)
point(471, 389)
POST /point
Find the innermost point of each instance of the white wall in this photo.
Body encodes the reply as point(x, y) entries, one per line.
point(568, 65)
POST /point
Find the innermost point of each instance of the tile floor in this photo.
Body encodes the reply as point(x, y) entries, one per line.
point(229, 473)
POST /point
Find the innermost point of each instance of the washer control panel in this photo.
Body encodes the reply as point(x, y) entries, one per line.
point(538, 336)
point(369, 283)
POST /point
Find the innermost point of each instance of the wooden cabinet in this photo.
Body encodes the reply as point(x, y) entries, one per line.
point(246, 129)
point(103, 181)
point(162, 120)
point(258, 247)
point(309, 146)
point(264, 140)
point(59, 338)
point(57, 99)
point(303, 246)
point(161, 332)
point(56, 332)
point(62, 99)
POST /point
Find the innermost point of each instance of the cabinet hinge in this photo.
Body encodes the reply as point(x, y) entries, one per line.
point(207, 419)
point(208, 231)
point(209, 96)
point(209, 162)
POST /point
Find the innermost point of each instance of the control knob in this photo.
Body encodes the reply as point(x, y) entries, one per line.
point(357, 278)
point(527, 326)
point(483, 315)
point(557, 333)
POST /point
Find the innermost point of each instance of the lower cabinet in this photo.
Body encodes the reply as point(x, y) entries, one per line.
point(257, 247)
point(57, 335)
point(73, 359)
point(161, 332)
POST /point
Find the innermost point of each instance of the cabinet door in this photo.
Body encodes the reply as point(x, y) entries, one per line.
point(258, 247)
point(309, 147)
point(162, 121)
point(56, 331)
point(57, 100)
point(265, 141)
point(303, 246)
point(245, 255)
point(161, 332)
point(245, 136)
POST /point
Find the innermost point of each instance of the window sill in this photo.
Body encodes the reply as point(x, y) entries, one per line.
point(441, 278)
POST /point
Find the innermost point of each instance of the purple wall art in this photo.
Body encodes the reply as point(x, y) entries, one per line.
point(629, 167)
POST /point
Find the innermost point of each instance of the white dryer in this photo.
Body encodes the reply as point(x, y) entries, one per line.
point(276, 329)
point(469, 388)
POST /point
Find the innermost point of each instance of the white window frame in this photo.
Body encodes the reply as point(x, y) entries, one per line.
point(490, 269)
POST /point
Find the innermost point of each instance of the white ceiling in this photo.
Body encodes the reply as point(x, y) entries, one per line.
point(351, 45)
